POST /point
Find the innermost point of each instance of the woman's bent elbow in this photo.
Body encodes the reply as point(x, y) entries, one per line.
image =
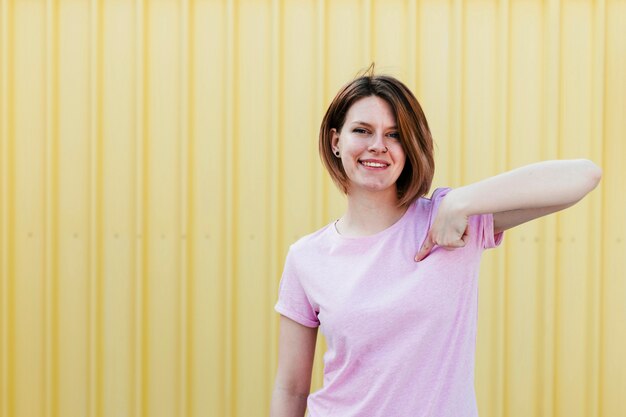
point(593, 173)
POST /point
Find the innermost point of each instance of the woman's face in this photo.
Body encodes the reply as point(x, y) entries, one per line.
point(369, 145)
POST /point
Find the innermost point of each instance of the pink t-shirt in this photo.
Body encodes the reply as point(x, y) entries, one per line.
point(401, 335)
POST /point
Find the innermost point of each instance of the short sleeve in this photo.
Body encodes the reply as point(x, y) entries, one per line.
point(481, 224)
point(486, 233)
point(292, 298)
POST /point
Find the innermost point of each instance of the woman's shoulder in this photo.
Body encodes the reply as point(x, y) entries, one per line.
point(311, 240)
point(435, 198)
point(439, 193)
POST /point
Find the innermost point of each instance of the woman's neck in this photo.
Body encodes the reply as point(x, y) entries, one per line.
point(370, 213)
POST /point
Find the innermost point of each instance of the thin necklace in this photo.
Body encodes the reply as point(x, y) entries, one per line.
point(335, 224)
point(397, 220)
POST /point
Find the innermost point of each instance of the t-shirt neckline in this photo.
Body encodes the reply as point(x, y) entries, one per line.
point(390, 229)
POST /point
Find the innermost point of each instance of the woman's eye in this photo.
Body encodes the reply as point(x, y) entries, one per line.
point(395, 135)
point(357, 130)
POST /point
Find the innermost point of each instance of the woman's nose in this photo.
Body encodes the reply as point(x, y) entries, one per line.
point(378, 143)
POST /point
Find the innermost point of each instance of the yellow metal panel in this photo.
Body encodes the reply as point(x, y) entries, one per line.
point(162, 210)
point(612, 380)
point(211, 136)
point(72, 161)
point(159, 157)
point(26, 338)
point(117, 234)
point(6, 211)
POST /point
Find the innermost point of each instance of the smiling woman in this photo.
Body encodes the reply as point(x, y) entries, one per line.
point(383, 113)
point(368, 146)
point(400, 328)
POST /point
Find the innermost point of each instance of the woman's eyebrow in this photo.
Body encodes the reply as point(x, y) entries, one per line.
point(358, 122)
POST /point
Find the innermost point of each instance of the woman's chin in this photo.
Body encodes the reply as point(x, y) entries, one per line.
point(375, 188)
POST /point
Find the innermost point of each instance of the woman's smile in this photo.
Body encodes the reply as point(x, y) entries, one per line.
point(374, 164)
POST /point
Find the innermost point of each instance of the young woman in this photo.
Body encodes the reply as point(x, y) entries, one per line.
point(393, 283)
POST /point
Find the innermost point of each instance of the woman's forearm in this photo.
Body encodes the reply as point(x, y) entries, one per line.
point(287, 404)
point(542, 184)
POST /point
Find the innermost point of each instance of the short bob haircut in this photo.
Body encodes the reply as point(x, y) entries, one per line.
point(416, 177)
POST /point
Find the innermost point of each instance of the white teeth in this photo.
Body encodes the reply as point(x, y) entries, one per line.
point(373, 164)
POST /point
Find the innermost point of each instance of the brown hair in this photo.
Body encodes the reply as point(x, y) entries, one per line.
point(417, 142)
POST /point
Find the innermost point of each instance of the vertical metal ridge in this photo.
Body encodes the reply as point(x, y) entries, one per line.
point(367, 47)
point(558, 255)
point(275, 157)
point(501, 400)
point(191, 219)
point(603, 223)
point(320, 213)
point(547, 235)
point(320, 196)
point(461, 54)
point(595, 242)
point(456, 78)
point(6, 210)
point(551, 88)
point(49, 319)
point(92, 296)
point(139, 360)
point(184, 177)
point(230, 225)
point(95, 216)
point(414, 49)
point(145, 211)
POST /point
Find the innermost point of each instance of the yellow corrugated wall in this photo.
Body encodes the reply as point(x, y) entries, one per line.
point(158, 157)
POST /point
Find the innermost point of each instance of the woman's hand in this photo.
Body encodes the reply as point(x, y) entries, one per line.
point(450, 230)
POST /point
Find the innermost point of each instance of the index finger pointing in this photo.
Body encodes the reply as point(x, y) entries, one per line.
point(426, 248)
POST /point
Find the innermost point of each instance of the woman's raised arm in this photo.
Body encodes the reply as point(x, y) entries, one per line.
point(513, 197)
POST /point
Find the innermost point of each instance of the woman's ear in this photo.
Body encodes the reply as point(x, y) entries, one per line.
point(334, 141)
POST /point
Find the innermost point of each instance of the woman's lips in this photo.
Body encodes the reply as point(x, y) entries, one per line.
point(375, 165)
